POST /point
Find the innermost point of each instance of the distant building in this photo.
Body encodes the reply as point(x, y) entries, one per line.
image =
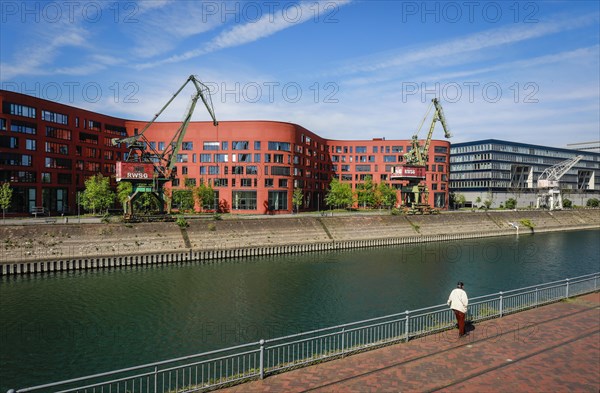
point(593, 147)
point(497, 170)
point(48, 150)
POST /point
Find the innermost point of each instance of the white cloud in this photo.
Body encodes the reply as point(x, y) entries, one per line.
point(162, 28)
point(461, 48)
point(35, 59)
point(248, 32)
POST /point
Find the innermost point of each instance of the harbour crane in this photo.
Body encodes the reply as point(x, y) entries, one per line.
point(414, 169)
point(148, 169)
point(549, 195)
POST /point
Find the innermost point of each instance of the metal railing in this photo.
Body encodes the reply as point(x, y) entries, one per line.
point(255, 360)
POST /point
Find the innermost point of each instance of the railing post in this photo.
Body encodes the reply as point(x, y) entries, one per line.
point(501, 311)
point(343, 340)
point(262, 359)
point(567, 289)
point(407, 326)
point(595, 282)
point(155, 379)
point(536, 297)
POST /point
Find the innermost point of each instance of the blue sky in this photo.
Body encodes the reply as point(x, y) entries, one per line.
point(521, 71)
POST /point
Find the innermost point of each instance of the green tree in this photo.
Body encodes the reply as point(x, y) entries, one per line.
point(567, 203)
point(97, 195)
point(5, 198)
point(183, 199)
point(489, 201)
point(592, 202)
point(385, 195)
point(339, 194)
point(124, 189)
point(205, 195)
point(366, 192)
point(459, 200)
point(511, 203)
point(297, 198)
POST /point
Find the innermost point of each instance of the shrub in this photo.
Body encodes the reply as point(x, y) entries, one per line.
point(182, 222)
point(511, 203)
point(592, 202)
point(527, 223)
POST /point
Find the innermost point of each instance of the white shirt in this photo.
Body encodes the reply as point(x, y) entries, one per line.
point(458, 300)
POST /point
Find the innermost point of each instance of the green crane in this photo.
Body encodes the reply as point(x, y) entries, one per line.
point(413, 170)
point(145, 167)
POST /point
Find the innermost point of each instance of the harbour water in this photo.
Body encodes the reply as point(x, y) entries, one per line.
point(63, 325)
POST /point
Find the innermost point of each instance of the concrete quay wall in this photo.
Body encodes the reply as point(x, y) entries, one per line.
point(50, 248)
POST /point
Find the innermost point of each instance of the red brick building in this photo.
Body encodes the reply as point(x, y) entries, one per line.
point(47, 150)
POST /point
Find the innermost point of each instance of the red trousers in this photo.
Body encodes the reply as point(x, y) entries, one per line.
point(460, 318)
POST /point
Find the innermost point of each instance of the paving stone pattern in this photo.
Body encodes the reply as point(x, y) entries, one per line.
point(554, 348)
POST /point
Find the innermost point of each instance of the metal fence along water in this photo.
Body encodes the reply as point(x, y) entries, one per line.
point(259, 359)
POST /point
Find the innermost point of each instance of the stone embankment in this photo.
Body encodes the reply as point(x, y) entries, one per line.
point(58, 247)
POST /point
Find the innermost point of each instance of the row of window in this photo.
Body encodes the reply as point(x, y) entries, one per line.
point(286, 146)
point(243, 182)
point(527, 150)
point(256, 157)
point(238, 145)
point(13, 159)
point(239, 170)
point(59, 118)
point(11, 142)
point(380, 149)
point(246, 200)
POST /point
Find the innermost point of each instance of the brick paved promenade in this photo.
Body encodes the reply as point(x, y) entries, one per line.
point(555, 348)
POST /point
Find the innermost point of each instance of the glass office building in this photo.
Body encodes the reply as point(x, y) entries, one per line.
point(497, 170)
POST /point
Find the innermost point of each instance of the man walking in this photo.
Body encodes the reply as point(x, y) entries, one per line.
point(458, 302)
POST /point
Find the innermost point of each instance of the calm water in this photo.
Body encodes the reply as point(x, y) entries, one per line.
point(60, 326)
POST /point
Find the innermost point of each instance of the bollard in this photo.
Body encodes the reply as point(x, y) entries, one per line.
point(262, 359)
point(407, 325)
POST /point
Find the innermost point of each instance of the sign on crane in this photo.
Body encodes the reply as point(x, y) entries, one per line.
point(148, 169)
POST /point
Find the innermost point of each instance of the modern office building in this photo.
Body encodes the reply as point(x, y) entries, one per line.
point(496, 170)
point(47, 150)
